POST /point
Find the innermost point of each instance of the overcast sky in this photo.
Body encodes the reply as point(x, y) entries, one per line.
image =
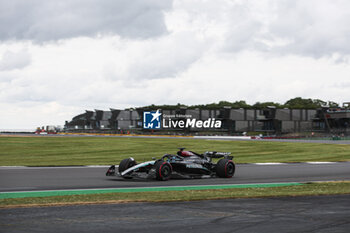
point(60, 58)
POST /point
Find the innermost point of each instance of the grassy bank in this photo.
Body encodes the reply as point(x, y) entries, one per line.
point(60, 151)
point(324, 188)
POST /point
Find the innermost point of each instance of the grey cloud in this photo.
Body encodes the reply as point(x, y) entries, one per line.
point(313, 28)
point(14, 60)
point(341, 85)
point(243, 36)
point(42, 21)
point(167, 57)
point(307, 28)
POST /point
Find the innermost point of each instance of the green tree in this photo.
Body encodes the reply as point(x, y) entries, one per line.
point(299, 102)
point(333, 104)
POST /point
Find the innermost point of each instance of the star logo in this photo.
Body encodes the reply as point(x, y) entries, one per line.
point(155, 115)
point(152, 119)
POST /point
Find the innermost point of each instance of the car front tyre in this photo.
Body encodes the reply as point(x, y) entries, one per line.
point(125, 164)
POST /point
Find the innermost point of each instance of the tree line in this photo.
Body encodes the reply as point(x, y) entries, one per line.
point(295, 103)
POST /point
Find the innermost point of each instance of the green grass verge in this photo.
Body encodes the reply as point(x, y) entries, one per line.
point(51, 193)
point(324, 188)
point(61, 151)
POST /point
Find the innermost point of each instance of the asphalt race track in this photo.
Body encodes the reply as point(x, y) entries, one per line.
point(278, 214)
point(58, 178)
point(285, 214)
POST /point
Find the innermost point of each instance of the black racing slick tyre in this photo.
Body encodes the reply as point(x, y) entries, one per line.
point(225, 168)
point(163, 170)
point(125, 164)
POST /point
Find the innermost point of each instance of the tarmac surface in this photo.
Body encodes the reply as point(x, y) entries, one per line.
point(59, 178)
point(285, 214)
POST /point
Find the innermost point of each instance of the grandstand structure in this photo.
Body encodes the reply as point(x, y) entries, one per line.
point(270, 120)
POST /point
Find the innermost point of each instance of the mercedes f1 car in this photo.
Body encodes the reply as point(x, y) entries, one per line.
point(185, 164)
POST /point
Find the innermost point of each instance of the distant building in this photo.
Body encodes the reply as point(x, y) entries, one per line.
point(268, 121)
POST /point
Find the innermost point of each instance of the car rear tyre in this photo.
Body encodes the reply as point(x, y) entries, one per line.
point(163, 170)
point(125, 164)
point(225, 168)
